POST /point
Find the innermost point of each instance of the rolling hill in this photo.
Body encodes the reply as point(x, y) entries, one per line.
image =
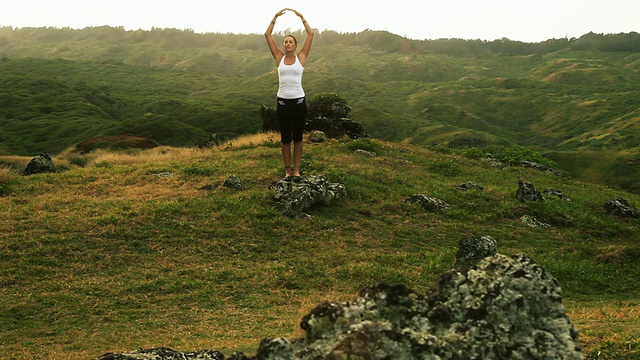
point(564, 97)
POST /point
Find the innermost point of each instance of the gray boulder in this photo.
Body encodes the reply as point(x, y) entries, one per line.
point(474, 248)
point(469, 185)
point(232, 182)
point(428, 203)
point(40, 164)
point(621, 207)
point(294, 196)
point(528, 192)
point(365, 153)
point(541, 167)
point(533, 222)
point(317, 136)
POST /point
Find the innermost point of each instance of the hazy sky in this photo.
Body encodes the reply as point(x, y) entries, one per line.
point(529, 21)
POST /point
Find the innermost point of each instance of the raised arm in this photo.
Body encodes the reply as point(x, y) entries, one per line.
point(273, 47)
point(306, 47)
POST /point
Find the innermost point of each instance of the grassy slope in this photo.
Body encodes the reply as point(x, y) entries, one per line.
point(177, 93)
point(112, 257)
point(568, 99)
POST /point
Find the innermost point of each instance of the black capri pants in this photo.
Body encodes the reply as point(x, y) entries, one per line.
point(291, 117)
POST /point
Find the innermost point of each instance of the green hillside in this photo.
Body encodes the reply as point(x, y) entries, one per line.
point(177, 87)
point(111, 256)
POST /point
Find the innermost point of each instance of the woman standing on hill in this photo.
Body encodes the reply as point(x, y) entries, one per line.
point(292, 106)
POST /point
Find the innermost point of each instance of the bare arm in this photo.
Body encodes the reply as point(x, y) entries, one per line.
point(306, 47)
point(273, 47)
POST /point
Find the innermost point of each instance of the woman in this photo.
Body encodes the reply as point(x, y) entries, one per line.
point(292, 106)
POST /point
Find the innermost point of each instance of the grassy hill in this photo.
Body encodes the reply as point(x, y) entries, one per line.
point(564, 96)
point(111, 256)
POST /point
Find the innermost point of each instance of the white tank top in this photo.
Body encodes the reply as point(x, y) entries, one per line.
point(290, 77)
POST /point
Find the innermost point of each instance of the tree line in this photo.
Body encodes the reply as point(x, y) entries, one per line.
point(378, 40)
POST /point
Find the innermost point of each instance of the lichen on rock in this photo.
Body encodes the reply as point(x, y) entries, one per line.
point(294, 196)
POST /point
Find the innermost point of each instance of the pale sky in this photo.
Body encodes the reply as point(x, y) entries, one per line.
point(528, 21)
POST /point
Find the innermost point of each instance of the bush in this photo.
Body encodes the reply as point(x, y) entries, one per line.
point(514, 154)
point(362, 144)
point(510, 155)
point(446, 167)
point(330, 113)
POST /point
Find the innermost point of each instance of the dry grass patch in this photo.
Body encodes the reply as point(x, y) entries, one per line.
point(251, 140)
point(20, 162)
point(159, 154)
point(599, 322)
point(618, 254)
point(6, 175)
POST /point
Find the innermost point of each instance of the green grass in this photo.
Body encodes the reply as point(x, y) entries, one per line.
point(113, 257)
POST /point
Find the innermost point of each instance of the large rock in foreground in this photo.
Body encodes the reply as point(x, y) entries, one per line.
point(502, 308)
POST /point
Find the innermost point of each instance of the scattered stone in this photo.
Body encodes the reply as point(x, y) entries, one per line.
point(365, 153)
point(474, 248)
point(541, 167)
point(232, 182)
point(317, 136)
point(492, 161)
point(533, 222)
point(469, 186)
point(428, 203)
point(527, 192)
point(40, 164)
point(294, 196)
point(621, 207)
point(164, 174)
point(554, 192)
point(164, 353)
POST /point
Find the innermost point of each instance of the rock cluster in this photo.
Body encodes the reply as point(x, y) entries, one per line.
point(164, 353)
point(528, 192)
point(541, 167)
